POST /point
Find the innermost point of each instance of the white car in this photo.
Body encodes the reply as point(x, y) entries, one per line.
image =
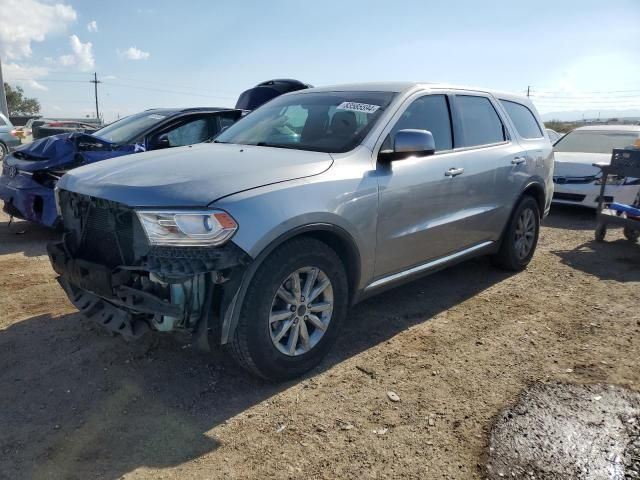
point(577, 181)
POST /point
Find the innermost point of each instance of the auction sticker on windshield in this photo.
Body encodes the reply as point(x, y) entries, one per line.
point(358, 107)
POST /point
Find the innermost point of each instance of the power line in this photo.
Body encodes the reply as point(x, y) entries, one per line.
point(49, 80)
point(586, 91)
point(579, 97)
point(581, 100)
point(164, 90)
point(165, 84)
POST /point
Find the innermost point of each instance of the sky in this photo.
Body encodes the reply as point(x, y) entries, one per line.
point(577, 56)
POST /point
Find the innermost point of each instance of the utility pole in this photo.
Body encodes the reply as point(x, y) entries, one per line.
point(3, 96)
point(528, 89)
point(95, 88)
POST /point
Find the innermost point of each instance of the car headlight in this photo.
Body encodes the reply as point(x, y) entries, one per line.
point(190, 228)
point(617, 180)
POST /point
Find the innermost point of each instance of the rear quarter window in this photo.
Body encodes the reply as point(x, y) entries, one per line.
point(523, 119)
point(480, 121)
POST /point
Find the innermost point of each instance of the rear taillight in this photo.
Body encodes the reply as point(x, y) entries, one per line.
point(14, 133)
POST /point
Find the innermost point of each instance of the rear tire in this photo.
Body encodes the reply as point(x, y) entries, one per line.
point(631, 234)
point(520, 237)
point(259, 343)
point(4, 151)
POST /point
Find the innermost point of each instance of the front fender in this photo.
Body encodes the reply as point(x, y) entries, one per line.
point(343, 200)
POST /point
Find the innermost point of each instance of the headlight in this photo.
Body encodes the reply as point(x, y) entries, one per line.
point(616, 180)
point(189, 228)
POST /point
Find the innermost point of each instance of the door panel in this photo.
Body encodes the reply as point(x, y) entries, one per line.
point(424, 214)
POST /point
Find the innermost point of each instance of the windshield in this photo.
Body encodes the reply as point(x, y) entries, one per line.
point(329, 122)
point(129, 128)
point(594, 141)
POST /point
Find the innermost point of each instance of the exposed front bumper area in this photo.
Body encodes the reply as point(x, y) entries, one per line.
point(113, 276)
point(164, 292)
point(102, 311)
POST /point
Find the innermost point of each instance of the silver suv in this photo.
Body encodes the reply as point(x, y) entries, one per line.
point(263, 238)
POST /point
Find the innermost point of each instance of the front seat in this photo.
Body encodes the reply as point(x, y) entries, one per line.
point(343, 124)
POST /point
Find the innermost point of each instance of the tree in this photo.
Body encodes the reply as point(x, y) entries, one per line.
point(18, 104)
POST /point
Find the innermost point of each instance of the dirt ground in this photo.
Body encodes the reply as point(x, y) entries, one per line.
point(456, 347)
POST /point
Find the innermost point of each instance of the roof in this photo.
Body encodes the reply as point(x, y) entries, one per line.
point(398, 87)
point(614, 128)
point(369, 87)
point(174, 111)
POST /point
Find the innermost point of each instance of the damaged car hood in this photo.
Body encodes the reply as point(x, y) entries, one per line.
point(575, 164)
point(192, 176)
point(66, 150)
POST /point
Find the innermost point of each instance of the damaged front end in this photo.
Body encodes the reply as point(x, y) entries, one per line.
point(114, 275)
point(30, 174)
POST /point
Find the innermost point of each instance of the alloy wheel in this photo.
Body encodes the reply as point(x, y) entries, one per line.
point(301, 311)
point(525, 233)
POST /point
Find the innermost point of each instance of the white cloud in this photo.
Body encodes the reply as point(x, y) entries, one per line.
point(24, 75)
point(67, 60)
point(27, 21)
point(82, 55)
point(133, 53)
point(92, 26)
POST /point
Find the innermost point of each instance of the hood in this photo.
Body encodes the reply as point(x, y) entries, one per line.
point(576, 164)
point(64, 150)
point(192, 176)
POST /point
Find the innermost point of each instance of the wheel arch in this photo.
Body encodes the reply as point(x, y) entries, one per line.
point(536, 190)
point(332, 235)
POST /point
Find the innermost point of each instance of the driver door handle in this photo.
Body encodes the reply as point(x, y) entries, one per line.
point(518, 160)
point(454, 172)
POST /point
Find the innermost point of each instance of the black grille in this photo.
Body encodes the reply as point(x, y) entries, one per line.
point(101, 231)
point(108, 237)
point(571, 197)
point(574, 180)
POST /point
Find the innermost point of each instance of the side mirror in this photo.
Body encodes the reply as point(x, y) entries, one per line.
point(162, 142)
point(410, 143)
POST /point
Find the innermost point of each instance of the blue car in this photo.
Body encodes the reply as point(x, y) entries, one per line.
point(30, 173)
point(8, 138)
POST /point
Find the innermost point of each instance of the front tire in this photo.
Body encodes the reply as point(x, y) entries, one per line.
point(520, 238)
point(292, 310)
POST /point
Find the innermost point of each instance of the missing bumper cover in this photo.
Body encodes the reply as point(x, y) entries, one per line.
point(131, 299)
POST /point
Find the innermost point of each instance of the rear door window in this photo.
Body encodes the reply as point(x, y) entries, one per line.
point(523, 119)
point(430, 112)
point(480, 121)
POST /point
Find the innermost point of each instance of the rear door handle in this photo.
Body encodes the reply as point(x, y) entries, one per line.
point(518, 160)
point(454, 172)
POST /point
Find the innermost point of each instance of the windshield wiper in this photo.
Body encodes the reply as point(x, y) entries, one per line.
point(277, 145)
